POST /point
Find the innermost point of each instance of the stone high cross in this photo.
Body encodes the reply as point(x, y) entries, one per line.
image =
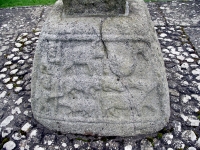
point(89, 7)
point(98, 70)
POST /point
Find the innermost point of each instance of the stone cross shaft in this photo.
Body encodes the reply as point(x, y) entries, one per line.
point(94, 7)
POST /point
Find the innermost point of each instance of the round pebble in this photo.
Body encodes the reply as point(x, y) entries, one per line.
point(10, 145)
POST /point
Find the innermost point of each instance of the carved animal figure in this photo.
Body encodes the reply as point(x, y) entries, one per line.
point(79, 108)
point(84, 56)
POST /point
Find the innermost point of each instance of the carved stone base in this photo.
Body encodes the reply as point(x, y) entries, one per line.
point(100, 75)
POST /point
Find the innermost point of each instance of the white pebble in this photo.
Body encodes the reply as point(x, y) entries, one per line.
point(189, 49)
point(198, 84)
point(25, 56)
point(37, 147)
point(16, 110)
point(6, 121)
point(24, 34)
point(6, 80)
point(168, 137)
point(165, 50)
point(191, 148)
point(19, 101)
point(7, 63)
point(171, 55)
point(13, 72)
point(170, 47)
point(190, 60)
point(76, 146)
point(196, 71)
point(193, 121)
point(3, 94)
point(185, 54)
point(30, 60)
point(163, 35)
point(10, 145)
point(17, 89)
point(163, 28)
point(4, 70)
point(37, 33)
point(128, 147)
point(4, 25)
point(16, 58)
point(2, 76)
point(186, 98)
point(185, 118)
point(194, 56)
point(33, 133)
point(23, 40)
point(27, 42)
point(64, 145)
point(195, 96)
point(6, 132)
point(26, 112)
point(185, 83)
point(10, 56)
point(189, 135)
point(173, 51)
point(26, 127)
point(194, 66)
point(15, 49)
point(166, 59)
point(18, 45)
point(19, 82)
point(180, 49)
point(181, 57)
point(21, 62)
point(15, 79)
point(9, 86)
point(16, 136)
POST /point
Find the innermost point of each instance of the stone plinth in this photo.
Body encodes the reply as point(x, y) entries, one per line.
point(100, 75)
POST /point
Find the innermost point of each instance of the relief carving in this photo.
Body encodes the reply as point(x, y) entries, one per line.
point(77, 96)
point(100, 70)
point(54, 52)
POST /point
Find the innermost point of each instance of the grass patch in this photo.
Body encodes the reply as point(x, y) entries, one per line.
point(14, 3)
point(6, 139)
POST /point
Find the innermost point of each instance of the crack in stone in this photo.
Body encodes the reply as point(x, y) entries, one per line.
point(118, 77)
point(101, 35)
point(127, 89)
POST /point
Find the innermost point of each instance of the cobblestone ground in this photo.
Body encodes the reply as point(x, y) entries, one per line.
point(178, 27)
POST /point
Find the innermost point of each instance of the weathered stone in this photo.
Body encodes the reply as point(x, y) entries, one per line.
point(97, 75)
point(94, 7)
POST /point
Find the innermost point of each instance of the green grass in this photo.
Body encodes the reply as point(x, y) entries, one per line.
point(14, 3)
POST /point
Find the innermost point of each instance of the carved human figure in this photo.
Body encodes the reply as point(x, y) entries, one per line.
point(123, 60)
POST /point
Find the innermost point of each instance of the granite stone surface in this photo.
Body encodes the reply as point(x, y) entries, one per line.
point(94, 7)
point(100, 75)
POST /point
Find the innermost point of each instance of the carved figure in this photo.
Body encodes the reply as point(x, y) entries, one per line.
point(79, 107)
